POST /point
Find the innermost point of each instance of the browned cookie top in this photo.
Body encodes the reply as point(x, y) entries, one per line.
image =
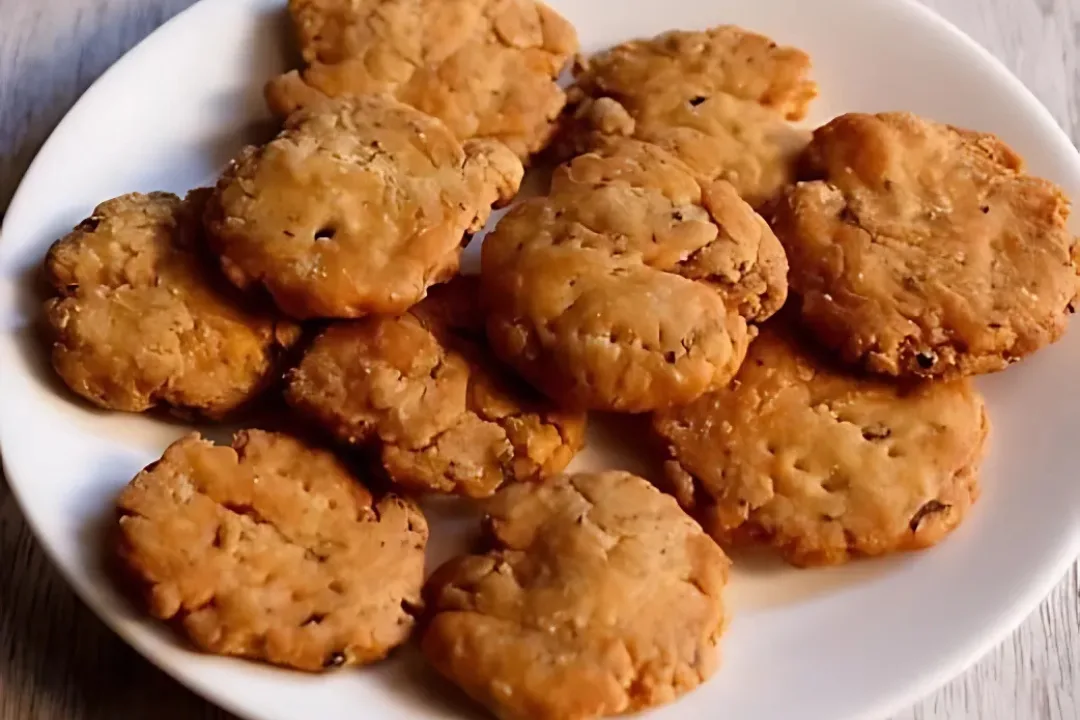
point(486, 68)
point(357, 207)
point(825, 466)
point(141, 318)
point(600, 597)
point(629, 286)
point(717, 99)
point(724, 59)
point(271, 550)
point(425, 389)
point(921, 249)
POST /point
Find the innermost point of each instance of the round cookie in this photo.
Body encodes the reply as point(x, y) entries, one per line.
point(271, 550)
point(357, 207)
point(486, 68)
point(919, 249)
point(600, 597)
point(142, 318)
point(718, 100)
point(629, 286)
point(424, 389)
point(825, 466)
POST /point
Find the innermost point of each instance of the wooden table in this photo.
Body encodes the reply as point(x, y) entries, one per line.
point(58, 661)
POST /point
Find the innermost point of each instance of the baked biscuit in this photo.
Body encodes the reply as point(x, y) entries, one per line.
point(919, 249)
point(600, 597)
point(271, 550)
point(629, 286)
point(142, 318)
point(719, 100)
point(486, 68)
point(424, 389)
point(825, 466)
point(357, 207)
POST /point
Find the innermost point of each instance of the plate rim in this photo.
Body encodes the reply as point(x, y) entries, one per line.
point(944, 670)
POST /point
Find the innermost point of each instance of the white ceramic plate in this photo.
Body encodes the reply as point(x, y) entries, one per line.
point(855, 642)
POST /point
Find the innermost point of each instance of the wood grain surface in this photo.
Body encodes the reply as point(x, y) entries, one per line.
point(57, 661)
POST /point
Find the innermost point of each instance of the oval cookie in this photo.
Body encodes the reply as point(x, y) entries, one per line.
point(629, 286)
point(825, 466)
point(719, 100)
point(919, 249)
point(600, 597)
point(486, 68)
point(143, 318)
point(424, 389)
point(357, 207)
point(271, 550)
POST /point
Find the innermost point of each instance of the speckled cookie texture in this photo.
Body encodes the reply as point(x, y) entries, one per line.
point(919, 249)
point(424, 389)
point(631, 284)
point(822, 465)
point(486, 68)
point(271, 550)
point(357, 207)
point(600, 597)
point(141, 317)
point(718, 99)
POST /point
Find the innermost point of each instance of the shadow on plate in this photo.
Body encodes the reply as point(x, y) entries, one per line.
point(422, 690)
point(761, 581)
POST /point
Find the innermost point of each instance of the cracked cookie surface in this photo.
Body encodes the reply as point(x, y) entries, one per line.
point(357, 207)
point(141, 317)
point(825, 466)
point(600, 597)
point(271, 550)
point(424, 388)
point(719, 100)
point(630, 285)
point(486, 68)
point(922, 249)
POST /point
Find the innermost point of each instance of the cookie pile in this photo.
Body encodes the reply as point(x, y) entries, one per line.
point(800, 312)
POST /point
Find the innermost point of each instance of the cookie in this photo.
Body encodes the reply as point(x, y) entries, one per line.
point(600, 597)
point(486, 68)
point(719, 100)
point(357, 207)
point(424, 389)
point(141, 318)
point(825, 466)
point(919, 249)
point(630, 285)
point(271, 550)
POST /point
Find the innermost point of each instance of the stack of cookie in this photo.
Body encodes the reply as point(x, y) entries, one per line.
point(653, 277)
point(921, 255)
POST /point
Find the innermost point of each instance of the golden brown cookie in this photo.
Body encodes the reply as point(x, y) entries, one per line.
point(629, 286)
point(921, 249)
point(271, 550)
point(357, 207)
point(141, 317)
point(719, 100)
point(822, 465)
point(600, 597)
point(486, 68)
point(424, 388)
